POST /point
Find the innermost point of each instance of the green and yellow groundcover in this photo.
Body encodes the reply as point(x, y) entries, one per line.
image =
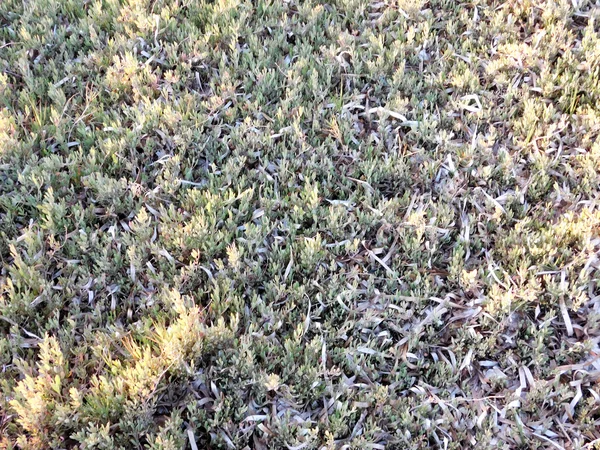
point(294, 224)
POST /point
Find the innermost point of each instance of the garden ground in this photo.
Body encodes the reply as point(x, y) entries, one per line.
point(299, 225)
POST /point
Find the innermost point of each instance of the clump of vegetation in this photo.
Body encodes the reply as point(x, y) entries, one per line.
point(258, 224)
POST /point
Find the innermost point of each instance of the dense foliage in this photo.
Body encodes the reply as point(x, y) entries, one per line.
point(292, 224)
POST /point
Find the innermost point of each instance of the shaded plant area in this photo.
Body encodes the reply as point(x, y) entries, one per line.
point(298, 224)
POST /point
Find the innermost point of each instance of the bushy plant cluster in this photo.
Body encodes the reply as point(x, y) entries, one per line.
point(352, 224)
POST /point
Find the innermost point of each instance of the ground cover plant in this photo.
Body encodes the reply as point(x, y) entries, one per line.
point(299, 225)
